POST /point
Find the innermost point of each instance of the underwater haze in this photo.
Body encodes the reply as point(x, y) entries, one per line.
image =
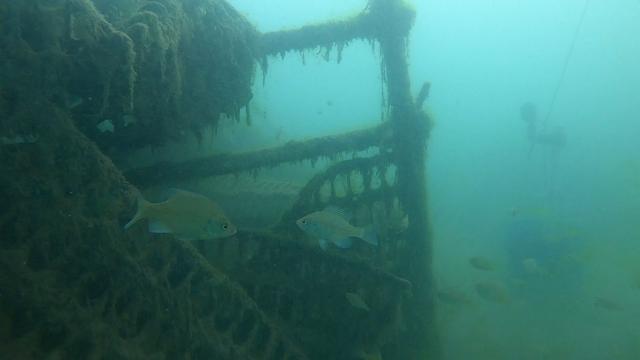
point(536, 217)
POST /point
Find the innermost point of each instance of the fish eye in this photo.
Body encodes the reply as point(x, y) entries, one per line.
point(304, 221)
point(225, 226)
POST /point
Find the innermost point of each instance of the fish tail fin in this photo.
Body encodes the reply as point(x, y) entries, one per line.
point(369, 235)
point(143, 205)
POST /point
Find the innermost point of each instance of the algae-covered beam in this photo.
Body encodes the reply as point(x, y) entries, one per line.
point(320, 35)
point(307, 199)
point(221, 164)
point(410, 131)
point(378, 19)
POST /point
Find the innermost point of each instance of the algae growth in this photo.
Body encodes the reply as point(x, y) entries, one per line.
point(84, 83)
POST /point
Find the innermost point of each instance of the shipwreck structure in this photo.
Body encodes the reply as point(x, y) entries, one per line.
point(84, 83)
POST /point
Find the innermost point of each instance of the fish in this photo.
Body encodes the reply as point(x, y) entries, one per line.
point(331, 225)
point(186, 215)
point(279, 132)
point(392, 220)
point(607, 304)
point(453, 297)
point(636, 281)
point(481, 263)
point(73, 101)
point(105, 126)
point(19, 139)
point(492, 292)
point(532, 267)
point(129, 119)
point(356, 301)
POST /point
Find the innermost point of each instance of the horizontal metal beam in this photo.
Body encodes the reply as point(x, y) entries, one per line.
point(380, 19)
point(312, 36)
point(221, 164)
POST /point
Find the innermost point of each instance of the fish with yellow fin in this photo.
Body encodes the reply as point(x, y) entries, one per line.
point(186, 215)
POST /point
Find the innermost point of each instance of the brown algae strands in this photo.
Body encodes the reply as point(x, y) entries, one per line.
point(481, 263)
point(331, 225)
point(186, 215)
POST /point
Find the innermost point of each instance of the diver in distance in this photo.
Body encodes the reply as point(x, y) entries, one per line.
point(554, 138)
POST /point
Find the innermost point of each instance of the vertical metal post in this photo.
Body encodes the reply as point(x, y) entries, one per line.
point(410, 132)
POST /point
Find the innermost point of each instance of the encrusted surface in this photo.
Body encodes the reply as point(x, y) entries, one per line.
point(75, 285)
point(148, 71)
point(81, 78)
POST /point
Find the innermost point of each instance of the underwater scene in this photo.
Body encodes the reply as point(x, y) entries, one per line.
point(321, 180)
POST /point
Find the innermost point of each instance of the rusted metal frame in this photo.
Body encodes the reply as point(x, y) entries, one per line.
point(410, 132)
point(306, 197)
point(313, 36)
point(222, 164)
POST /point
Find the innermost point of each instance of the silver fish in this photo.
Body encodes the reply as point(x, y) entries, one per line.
point(482, 263)
point(356, 301)
point(331, 225)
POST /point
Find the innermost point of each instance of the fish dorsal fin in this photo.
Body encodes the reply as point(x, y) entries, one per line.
point(175, 192)
point(179, 196)
point(338, 211)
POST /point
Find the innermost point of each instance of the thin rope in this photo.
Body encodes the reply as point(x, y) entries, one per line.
point(566, 64)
